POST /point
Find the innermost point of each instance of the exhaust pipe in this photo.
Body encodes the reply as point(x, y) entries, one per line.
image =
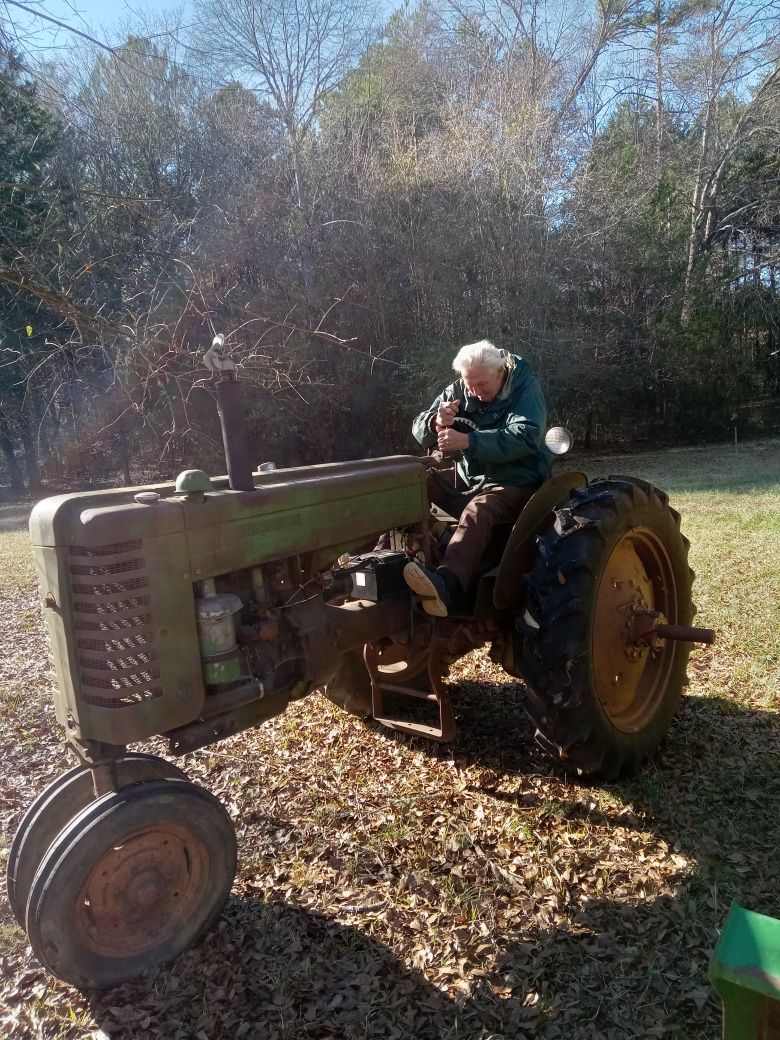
point(232, 419)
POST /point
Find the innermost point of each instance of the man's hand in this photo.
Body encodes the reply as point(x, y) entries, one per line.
point(446, 414)
point(450, 440)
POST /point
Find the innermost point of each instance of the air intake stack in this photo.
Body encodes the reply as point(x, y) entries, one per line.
point(232, 418)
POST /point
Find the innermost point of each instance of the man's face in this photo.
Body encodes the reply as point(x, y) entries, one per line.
point(483, 383)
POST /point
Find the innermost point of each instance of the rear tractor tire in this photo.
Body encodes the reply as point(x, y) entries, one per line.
point(601, 700)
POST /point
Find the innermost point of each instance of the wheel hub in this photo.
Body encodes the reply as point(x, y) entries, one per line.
point(141, 890)
point(145, 889)
point(627, 672)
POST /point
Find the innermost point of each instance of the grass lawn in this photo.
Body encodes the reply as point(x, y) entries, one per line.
point(389, 888)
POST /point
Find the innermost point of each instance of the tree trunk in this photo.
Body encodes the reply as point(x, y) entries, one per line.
point(694, 236)
point(659, 93)
point(126, 475)
point(589, 420)
point(15, 478)
point(304, 208)
point(31, 463)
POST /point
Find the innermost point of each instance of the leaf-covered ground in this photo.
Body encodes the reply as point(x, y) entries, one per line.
point(391, 888)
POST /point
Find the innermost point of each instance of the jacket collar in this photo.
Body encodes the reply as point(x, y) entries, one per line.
point(511, 372)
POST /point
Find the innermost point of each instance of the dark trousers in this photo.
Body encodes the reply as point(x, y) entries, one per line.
point(478, 512)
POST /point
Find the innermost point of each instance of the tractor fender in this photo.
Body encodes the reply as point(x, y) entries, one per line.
point(518, 554)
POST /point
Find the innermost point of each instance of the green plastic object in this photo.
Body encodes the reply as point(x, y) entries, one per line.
point(745, 970)
point(193, 480)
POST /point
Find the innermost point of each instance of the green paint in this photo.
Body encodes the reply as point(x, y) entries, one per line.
point(192, 480)
point(121, 571)
point(745, 970)
point(216, 672)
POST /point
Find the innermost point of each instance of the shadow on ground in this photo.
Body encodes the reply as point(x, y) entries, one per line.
point(281, 973)
point(277, 971)
point(710, 795)
point(711, 792)
point(624, 959)
point(632, 964)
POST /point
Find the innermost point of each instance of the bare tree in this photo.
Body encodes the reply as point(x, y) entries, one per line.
point(293, 52)
point(730, 79)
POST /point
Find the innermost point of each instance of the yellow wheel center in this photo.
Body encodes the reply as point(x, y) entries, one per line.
point(626, 673)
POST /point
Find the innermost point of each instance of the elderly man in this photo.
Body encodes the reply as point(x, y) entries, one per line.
point(496, 416)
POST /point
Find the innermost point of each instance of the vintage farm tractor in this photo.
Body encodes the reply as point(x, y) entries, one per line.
point(197, 609)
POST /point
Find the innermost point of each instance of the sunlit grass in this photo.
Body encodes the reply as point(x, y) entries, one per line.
point(17, 570)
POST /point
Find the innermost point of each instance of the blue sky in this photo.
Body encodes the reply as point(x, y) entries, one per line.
point(102, 19)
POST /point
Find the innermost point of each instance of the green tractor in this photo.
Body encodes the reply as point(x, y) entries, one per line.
point(197, 609)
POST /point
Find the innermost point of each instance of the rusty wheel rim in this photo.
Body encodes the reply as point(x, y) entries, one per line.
point(143, 891)
point(631, 678)
point(54, 809)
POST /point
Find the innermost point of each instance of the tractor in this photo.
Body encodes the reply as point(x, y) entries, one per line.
point(197, 609)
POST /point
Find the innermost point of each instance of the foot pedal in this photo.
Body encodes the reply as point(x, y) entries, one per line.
point(436, 694)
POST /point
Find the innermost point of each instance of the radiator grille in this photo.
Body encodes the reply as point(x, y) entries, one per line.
point(128, 701)
point(122, 682)
point(117, 588)
point(127, 643)
point(119, 549)
point(115, 625)
point(103, 569)
point(115, 642)
point(118, 664)
point(116, 606)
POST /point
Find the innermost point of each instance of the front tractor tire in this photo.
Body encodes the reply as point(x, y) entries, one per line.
point(601, 700)
point(130, 882)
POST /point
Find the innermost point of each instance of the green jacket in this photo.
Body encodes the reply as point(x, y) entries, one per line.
point(508, 446)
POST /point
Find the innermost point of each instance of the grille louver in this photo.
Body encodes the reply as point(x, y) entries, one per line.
point(116, 660)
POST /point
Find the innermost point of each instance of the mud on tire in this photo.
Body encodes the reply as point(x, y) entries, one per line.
point(599, 700)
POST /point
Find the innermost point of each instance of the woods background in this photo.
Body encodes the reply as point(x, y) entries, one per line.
point(592, 186)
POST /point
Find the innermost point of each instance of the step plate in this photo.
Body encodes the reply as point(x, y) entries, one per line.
point(436, 693)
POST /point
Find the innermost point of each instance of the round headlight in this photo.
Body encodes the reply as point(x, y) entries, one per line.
point(558, 440)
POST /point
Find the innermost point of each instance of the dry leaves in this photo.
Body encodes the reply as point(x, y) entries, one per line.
point(388, 888)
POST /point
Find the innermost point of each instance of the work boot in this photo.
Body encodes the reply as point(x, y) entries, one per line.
point(433, 588)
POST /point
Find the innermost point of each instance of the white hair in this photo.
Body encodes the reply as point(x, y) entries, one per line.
point(482, 354)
